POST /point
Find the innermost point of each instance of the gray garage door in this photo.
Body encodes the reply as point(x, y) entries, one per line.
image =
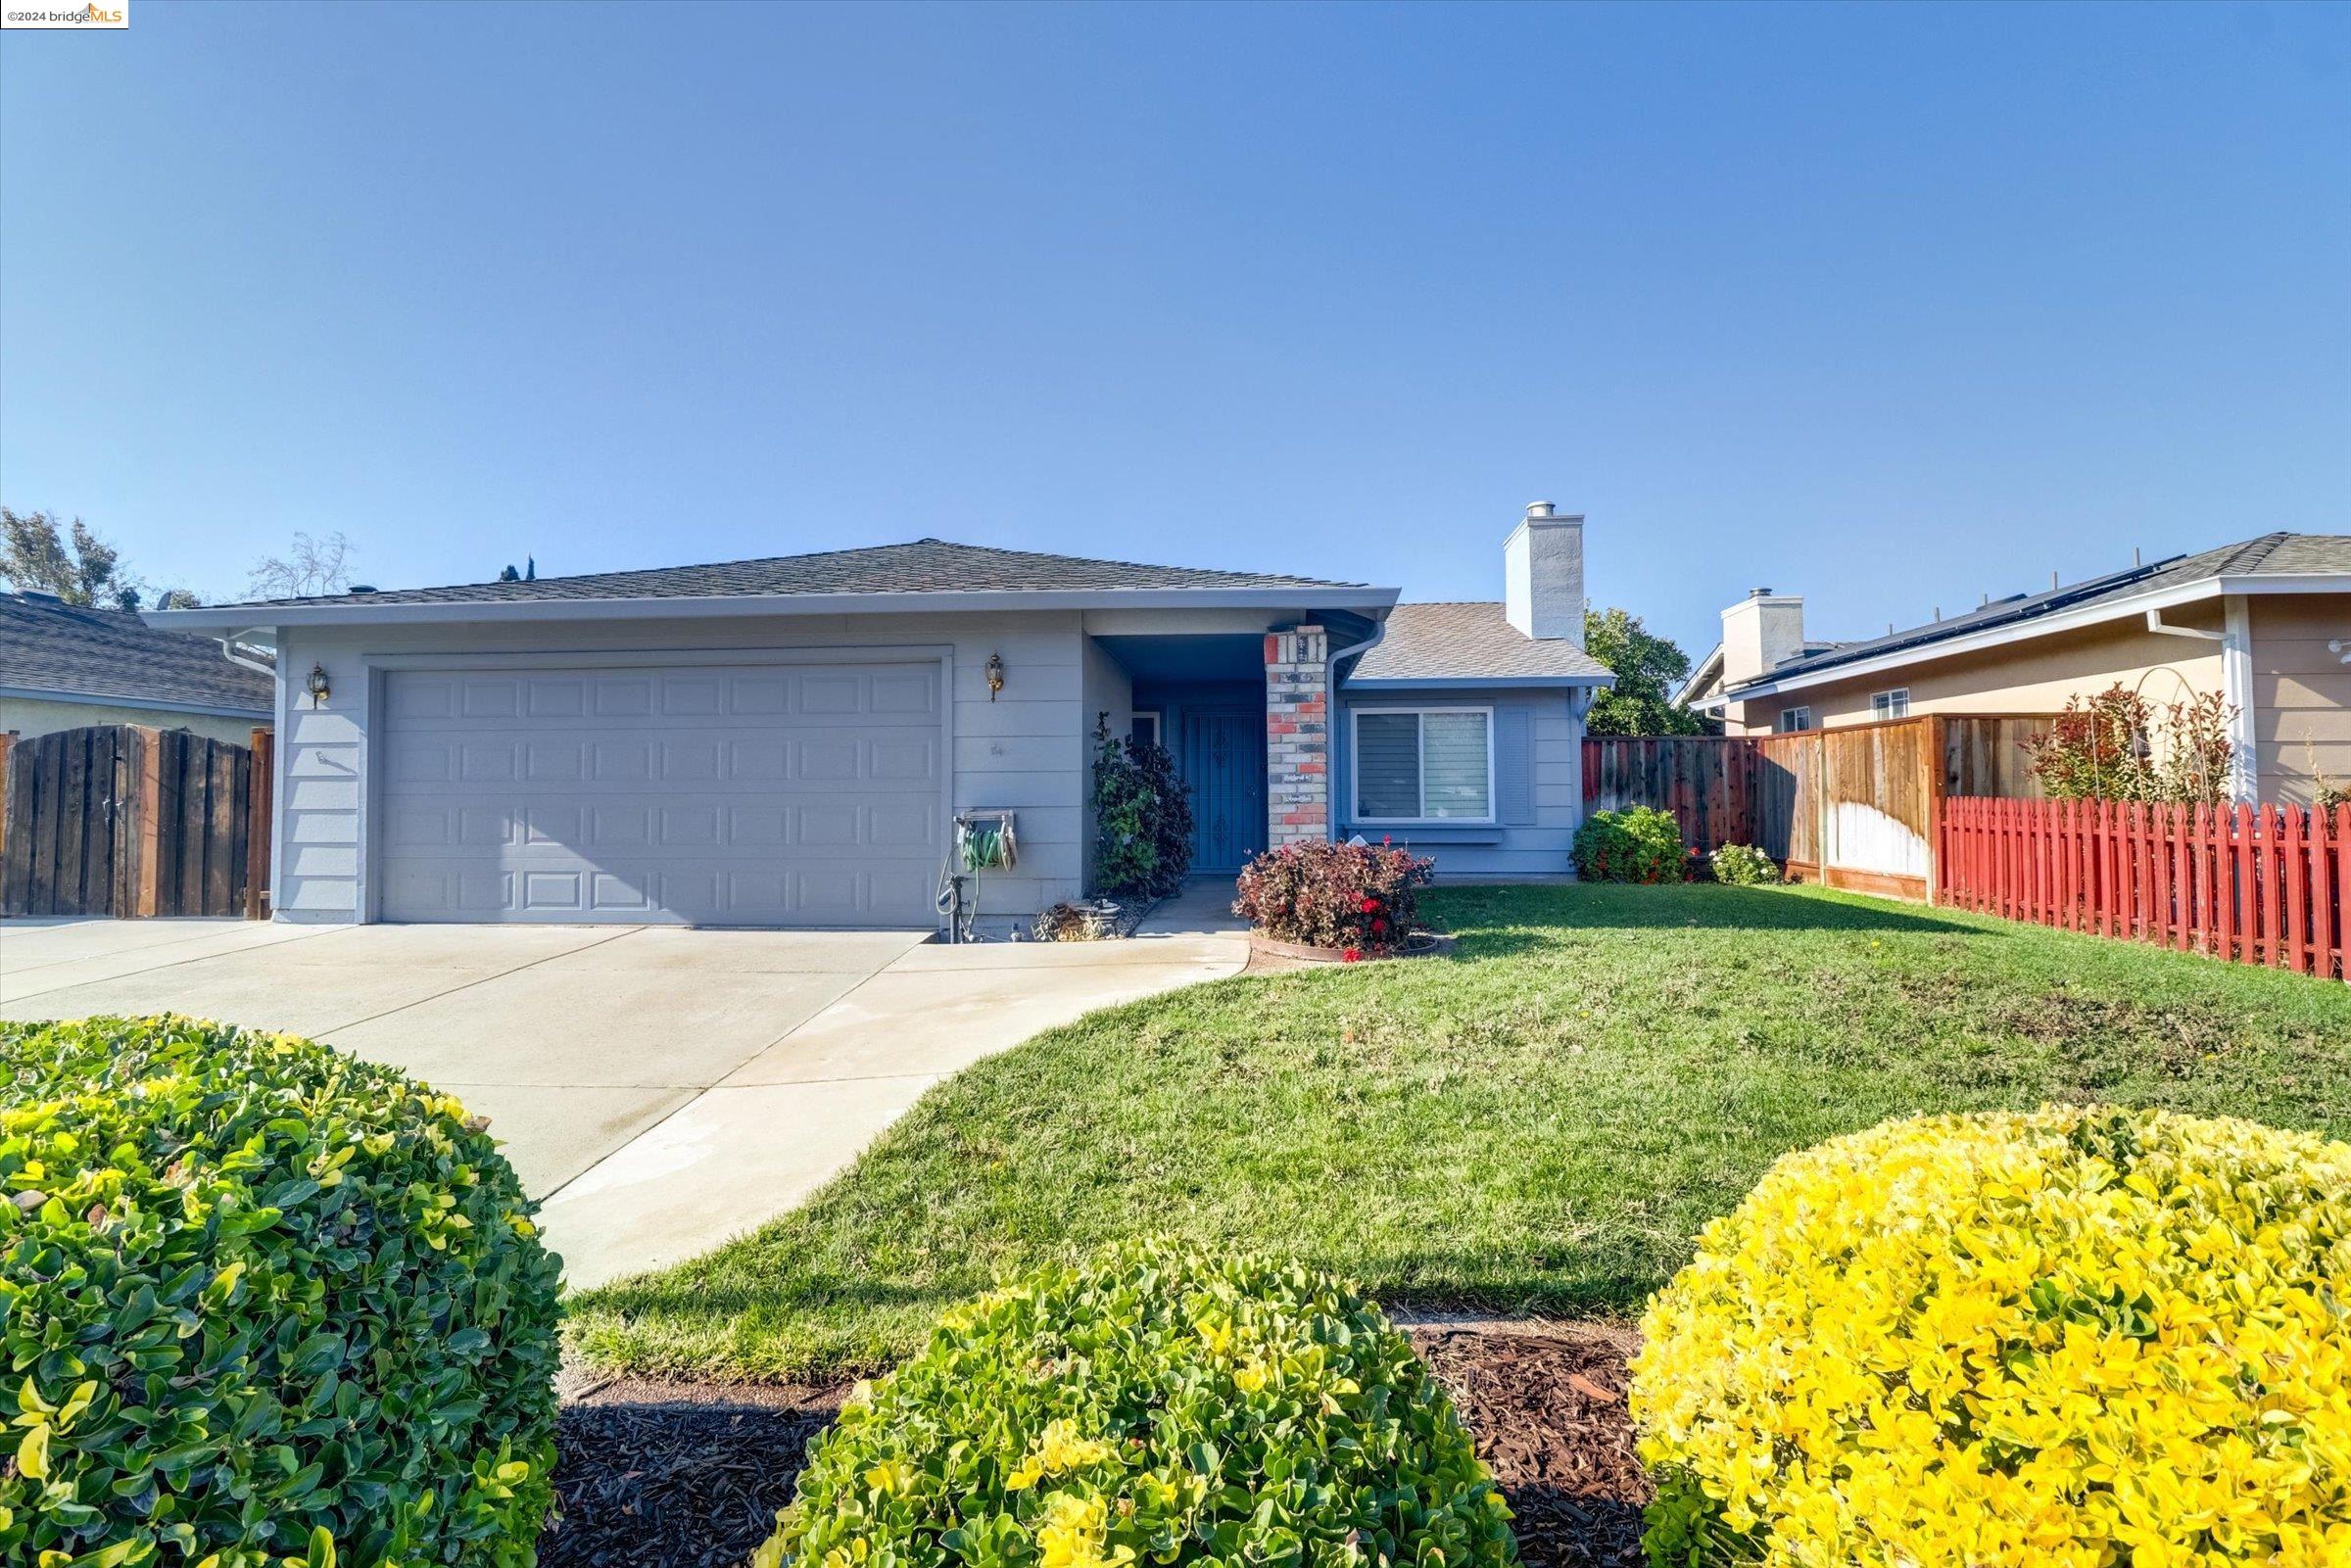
point(781, 795)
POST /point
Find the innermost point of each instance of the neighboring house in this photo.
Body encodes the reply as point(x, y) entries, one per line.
point(64, 666)
point(786, 741)
point(2265, 624)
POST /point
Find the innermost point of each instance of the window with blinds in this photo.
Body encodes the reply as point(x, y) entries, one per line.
point(1424, 765)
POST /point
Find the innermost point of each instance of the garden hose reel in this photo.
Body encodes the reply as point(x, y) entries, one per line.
point(984, 841)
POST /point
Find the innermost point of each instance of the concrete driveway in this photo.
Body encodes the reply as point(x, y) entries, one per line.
point(659, 1089)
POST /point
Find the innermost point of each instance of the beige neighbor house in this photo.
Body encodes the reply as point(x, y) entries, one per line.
point(65, 666)
point(2264, 622)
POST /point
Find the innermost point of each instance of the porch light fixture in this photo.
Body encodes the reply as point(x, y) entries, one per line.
point(315, 685)
point(995, 675)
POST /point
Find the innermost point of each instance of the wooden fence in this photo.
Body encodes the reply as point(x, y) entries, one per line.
point(2256, 885)
point(1853, 807)
point(128, 821)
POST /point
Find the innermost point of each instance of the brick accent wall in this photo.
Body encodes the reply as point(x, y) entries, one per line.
point(1297, 735)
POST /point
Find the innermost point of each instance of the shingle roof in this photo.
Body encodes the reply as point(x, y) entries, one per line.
point(1471, 641)
point(72, 651)
point(2267, 555)
point(926, 566)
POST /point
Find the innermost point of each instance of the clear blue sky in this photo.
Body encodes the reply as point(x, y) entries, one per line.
point(1890, 306)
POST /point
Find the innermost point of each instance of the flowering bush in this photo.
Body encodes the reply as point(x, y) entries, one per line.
point(260, 1303)
point(2117, 746)
point(2083, 1337)
point(1360, 897)
point(1153, 1406)
point(1641, 845)
point(1744, 865)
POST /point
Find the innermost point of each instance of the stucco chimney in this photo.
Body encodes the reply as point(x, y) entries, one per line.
point(1760, 630)
point(1542, 574)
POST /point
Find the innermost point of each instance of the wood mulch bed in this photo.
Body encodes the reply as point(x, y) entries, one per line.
point(662, 1475)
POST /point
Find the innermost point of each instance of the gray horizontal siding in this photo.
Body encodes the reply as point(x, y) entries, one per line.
point(1556, 757)
point(1020, 749)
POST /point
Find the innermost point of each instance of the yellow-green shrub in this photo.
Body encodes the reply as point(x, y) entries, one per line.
point(2080, 1338)
point(260, 1303)
point(1154, 1404)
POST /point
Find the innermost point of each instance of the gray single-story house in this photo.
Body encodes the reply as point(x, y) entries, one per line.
point(67, 666)
point(786, 741)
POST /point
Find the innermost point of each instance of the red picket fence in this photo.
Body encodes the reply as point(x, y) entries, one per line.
point(2256, 885)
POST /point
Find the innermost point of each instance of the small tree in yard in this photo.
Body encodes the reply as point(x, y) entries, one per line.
point(2117, 746)
point(1646, 667)
point(1143, 816)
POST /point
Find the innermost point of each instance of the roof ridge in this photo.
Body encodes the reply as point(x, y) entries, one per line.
point(1096, 560)
point(2250, 554)
point(928, 565)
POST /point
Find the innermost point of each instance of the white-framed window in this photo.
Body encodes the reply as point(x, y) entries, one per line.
point(1792, 720)
point(1423, 765)
point(1144, 725)
point(1894, 704)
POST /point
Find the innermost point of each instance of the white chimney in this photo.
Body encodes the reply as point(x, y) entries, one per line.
point(1760, 630)
point(1543, 575)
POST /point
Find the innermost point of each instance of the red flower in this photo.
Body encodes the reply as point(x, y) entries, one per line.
point(1379, 926)
point(1353, 954)
point(1369, 906)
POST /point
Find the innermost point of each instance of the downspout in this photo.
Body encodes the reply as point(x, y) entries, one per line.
point(2237, 690)
point(1331, 720)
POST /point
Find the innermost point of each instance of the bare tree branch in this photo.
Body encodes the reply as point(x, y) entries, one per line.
point(311, 568)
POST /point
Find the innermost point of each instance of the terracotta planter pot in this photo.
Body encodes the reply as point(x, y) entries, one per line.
point(1422, 944)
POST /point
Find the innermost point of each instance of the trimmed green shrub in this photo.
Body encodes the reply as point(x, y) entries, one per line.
point(1640, 845)
point(261, 1304)
point(1143, 816)
point(1744, 865)
point(1156, 1404)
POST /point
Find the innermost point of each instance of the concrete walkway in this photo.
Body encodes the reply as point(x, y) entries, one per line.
point(659, 1089)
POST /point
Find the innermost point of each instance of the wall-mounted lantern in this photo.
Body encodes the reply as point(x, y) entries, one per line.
point(995, 675)
point(315, 685)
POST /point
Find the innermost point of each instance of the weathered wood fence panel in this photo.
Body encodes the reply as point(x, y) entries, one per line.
point(1708, 781)
point(2261, 884)
point(1984, 754)
point(1787, 825)
point(1854, 807)
point(128, 821)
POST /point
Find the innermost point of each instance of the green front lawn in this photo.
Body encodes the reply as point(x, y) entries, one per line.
point(1542, 1123)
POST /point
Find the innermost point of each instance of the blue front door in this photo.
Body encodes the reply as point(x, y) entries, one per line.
point(1223, 758)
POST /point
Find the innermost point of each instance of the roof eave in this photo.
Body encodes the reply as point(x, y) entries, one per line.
point(1709, 669)
point(115, 699)
point(1456, 682)
point(228, 617)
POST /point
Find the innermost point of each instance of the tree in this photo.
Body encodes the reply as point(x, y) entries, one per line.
point(311, 568)
point(37, 552)
point(1647, 668)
